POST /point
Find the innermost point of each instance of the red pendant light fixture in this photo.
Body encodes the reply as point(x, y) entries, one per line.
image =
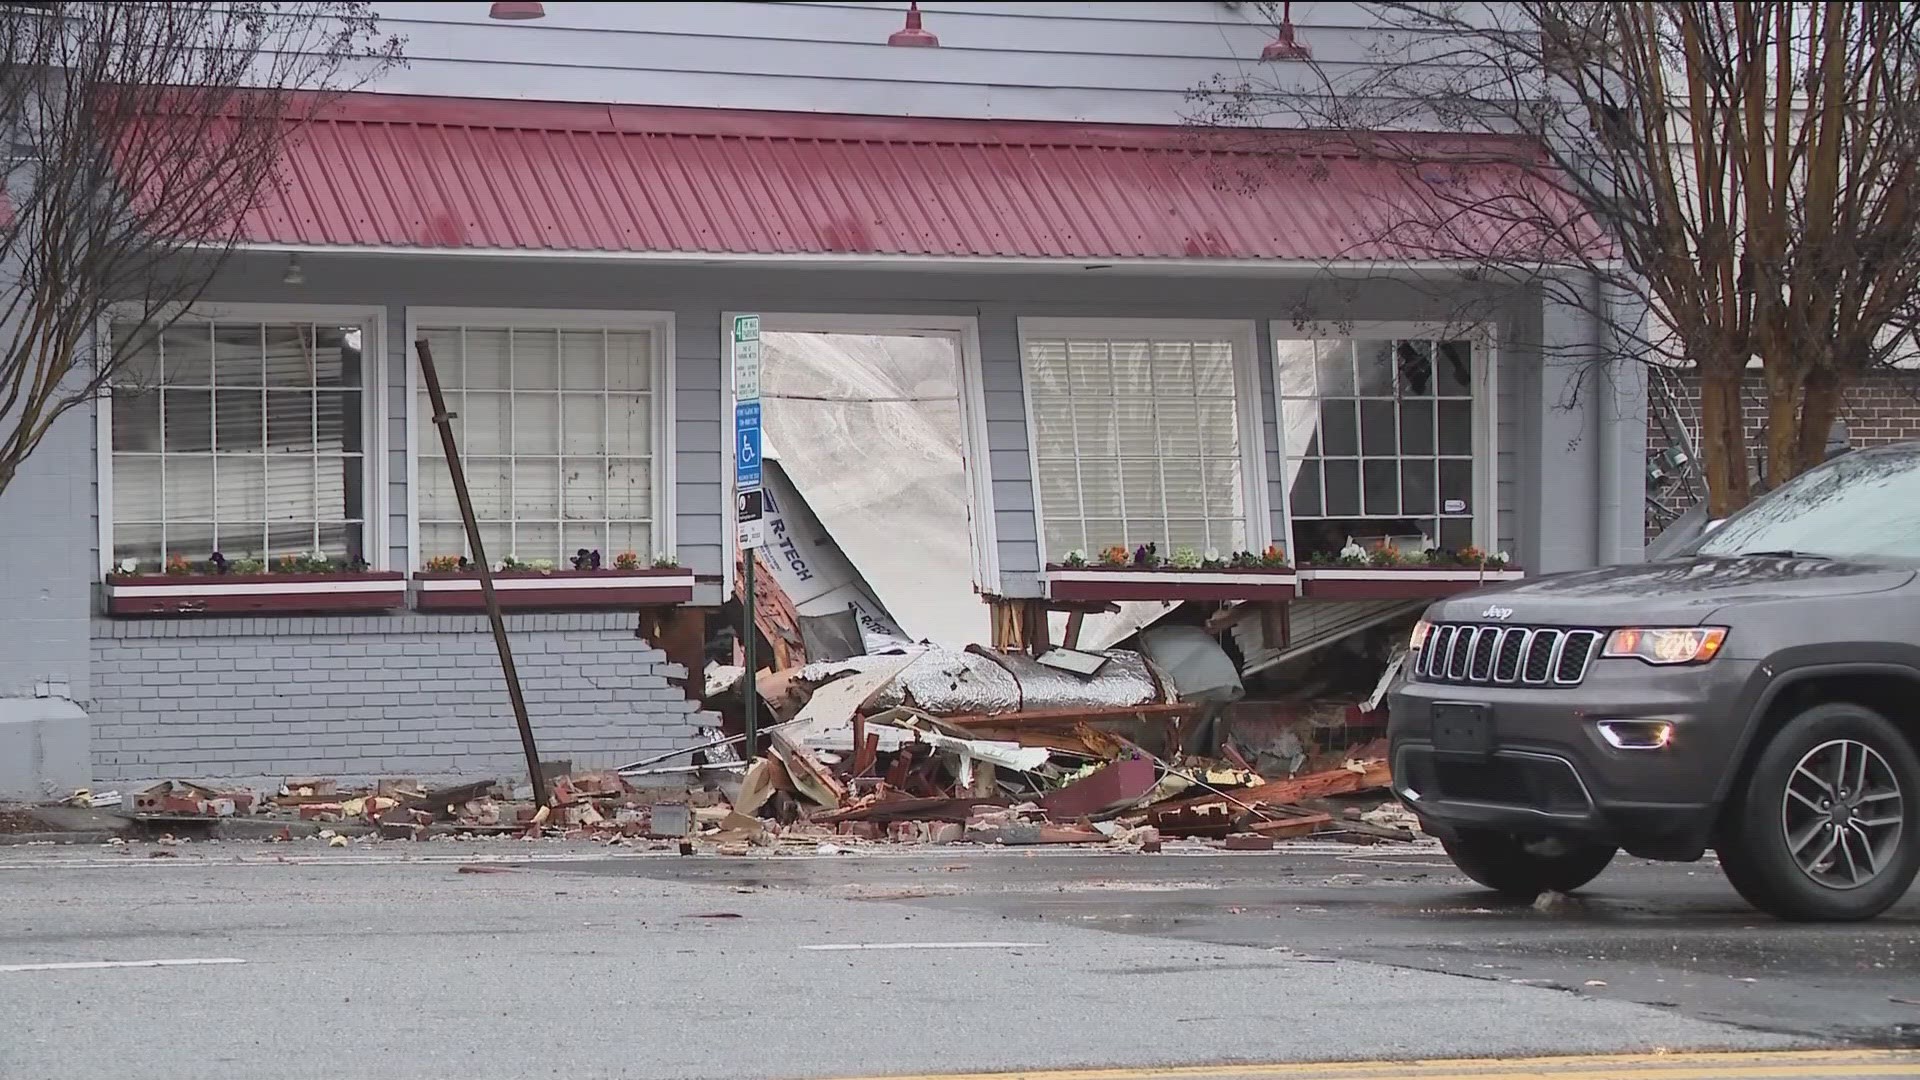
point(913, 35)
point(1284, 45)
point(517, 12)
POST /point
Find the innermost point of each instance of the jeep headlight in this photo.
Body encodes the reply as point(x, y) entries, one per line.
point(1666, 645)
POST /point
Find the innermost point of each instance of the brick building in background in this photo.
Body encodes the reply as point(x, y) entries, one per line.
point(1883, 408)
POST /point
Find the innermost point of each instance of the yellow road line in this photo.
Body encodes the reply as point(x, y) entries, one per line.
point(1704, 1066)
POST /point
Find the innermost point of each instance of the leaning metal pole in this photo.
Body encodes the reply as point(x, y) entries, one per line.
point(443, 420)
point(749, 618)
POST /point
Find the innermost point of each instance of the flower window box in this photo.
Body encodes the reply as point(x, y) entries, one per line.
point(254, 593)
point(556, 590)
point(1143, 575)
point(1387, 574)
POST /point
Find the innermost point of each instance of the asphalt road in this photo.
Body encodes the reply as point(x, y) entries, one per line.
point(1672, 937)
point(388, 961)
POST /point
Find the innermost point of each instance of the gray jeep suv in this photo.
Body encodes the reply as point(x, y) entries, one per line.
point(1759, 695)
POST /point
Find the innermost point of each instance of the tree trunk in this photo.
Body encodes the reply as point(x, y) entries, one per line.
point(1723, 440)
point(1783, 424)
point(1819, 406)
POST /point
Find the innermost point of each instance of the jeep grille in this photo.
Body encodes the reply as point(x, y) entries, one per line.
point(1506, 655)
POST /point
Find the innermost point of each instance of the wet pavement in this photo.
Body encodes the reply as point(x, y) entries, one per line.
point(516, 959)
point(1672, 936)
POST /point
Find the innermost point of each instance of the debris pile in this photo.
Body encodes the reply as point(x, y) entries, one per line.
point(178, 799)
point(942, 746)
point(591, 804)
point(928, 746)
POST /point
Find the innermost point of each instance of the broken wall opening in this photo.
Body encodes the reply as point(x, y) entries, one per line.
point(868, 496)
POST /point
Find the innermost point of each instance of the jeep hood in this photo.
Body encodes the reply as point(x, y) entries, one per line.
point(1682, 591)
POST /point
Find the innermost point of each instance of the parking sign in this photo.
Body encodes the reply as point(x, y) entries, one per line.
point(744, 358)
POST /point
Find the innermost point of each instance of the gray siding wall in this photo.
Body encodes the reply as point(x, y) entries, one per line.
point(1009, 451)
point(47, 521)
point(1578, 426)
point(1101, 62)
point(699, 295)
point(357, 698)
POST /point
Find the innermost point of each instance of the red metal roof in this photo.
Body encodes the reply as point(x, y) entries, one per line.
point(406, 172)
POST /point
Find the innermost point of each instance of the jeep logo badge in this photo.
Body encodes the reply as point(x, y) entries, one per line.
point(1497, 612)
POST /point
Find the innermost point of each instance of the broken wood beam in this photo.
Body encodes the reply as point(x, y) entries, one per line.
point(1071, 716)
point(866, 753)
point(1223, 618)
point(1063, 741)
point(810, 777)
point(1297, 788)
point(1287, 828)
point(1275, 626)
point(936, 808)
point(1373, 832)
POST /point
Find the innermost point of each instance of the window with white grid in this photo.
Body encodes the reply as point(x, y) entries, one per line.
point(1380, 441)
point(241, 437)
point(555, 427)
point(1136, 440)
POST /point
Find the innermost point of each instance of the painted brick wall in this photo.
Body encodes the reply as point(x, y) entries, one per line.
point(1884, 408)
point(403, 695)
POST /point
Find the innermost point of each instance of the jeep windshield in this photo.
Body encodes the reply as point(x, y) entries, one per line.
point(1862, 507)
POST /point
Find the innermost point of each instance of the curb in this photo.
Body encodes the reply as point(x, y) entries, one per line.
point(217, 829)
point(268, 828)
point(62, 839)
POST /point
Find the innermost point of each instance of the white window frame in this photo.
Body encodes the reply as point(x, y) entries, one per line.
point(372, 318)
point(964, 332)
point(1486, 408)
point(1249, 410)
point(659, 324)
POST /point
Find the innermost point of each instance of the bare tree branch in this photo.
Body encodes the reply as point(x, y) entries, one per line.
point(1744, 173)
point(141, 136)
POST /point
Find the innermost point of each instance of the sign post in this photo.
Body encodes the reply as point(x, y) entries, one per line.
point(744, 359)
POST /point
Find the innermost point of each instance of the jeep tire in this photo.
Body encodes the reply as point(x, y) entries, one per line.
point(1804, 838)
point(1524, 867)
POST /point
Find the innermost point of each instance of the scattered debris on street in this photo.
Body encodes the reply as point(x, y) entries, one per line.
point(920, 746)
point(1165, 740)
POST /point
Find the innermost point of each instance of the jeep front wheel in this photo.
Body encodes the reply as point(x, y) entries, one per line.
point(1828, 826)
point(1524, 867)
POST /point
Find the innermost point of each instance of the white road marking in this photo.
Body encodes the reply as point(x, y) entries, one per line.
point(864, 946)
point(92, 965)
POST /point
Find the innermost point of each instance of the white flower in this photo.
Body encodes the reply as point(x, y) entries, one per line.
point(501, 566)
point(544, 566)
point(1353, 550)
point(1500, 557)
point(1077, 553)
point(129, 566)
point(1212, 555)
